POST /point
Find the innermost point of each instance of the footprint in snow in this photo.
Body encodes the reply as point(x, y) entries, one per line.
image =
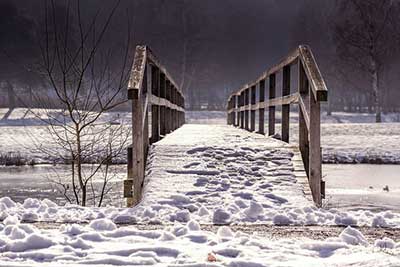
point(275, 198)
point(244, 195)
point(192, 164)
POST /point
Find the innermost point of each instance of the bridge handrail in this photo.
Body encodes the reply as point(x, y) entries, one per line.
point(149, 84)
point(242, 105)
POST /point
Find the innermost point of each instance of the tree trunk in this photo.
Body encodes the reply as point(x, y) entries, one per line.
point(11, 95)
point(375, 90)
point(79, 166)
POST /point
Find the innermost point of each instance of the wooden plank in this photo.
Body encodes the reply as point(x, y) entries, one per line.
point(271, 112)
point(285, 107)
point(155, 100)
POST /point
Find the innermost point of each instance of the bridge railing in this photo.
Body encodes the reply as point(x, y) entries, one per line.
point(311, 90)
point(150, 90)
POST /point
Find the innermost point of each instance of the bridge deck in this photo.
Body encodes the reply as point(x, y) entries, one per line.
point(221, 174)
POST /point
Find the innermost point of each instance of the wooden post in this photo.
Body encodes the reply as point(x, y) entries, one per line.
point(128, 184)
point(237, 122)
point(137, 170)
point(174, 118)
point(167, 110)
point(253, 112)
point(246, 104)
point(242, 112)
point(233, 104)
point(155, 109)
point(271, 111)
point(285, 108)
point(146, 96)
point(315, 150)
point(163, 109)
point(261, 110)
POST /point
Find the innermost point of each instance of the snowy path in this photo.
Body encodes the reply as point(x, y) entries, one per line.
point(223, 173)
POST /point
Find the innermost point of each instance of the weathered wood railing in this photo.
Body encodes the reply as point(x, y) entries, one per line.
point(150, 89)
point(311, 90)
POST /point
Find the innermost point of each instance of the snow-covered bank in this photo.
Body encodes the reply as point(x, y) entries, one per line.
point(101, 243)
point(346, 138)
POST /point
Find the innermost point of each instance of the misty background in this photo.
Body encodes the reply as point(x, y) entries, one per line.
point(210, 47)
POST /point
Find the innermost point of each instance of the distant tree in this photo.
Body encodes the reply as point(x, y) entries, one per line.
point(366, 36)
point(17, 50)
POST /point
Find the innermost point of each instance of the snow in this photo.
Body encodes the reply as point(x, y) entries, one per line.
point(201, 174)
point(127, 246)
point(352, 236)
point(213, 175)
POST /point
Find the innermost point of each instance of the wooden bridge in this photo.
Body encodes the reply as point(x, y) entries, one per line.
point(158, 110)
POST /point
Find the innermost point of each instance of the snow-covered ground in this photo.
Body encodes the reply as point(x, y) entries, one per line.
point(200, 174)
point(101, 243)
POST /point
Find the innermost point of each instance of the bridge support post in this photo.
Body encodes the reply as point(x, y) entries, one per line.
point(271, 111)
point(285, 108)
point(242, 112)
point(155, 109)
point(135, 153)
point(315, 150)
point(163, 109)
point(261, 110)
point(253, 112)
point(237, 101)
point(246, 112)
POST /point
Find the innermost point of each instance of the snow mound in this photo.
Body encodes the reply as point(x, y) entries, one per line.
point(31, 242)
point(102, 225)
point(385, 243)
point(352, 236)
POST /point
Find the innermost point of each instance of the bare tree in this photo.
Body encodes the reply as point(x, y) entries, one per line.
point(87, 74)
point(365, 35)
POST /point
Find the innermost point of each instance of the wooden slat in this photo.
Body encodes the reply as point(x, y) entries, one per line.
point(155, 100)
point(288, 60)
point(155, 61)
